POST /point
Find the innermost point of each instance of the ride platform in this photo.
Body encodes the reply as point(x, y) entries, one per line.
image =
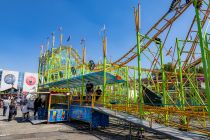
point(89, 115)
point(157, 128)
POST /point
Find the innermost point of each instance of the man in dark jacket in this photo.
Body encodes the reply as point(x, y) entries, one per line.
point(37, 104)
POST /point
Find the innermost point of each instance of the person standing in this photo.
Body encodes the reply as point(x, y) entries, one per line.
point(37, 104)
point(5, 105)
point(1, 102)
point(89, 91)
point(98, 93)
point(12, 110)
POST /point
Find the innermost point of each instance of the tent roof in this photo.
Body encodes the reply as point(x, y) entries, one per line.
point(10, 90)
point(96, 78)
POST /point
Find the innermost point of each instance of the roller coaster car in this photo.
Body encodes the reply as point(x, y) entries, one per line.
point(151, 98)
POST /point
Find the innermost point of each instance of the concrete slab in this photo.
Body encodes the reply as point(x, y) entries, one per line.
point(37, 121)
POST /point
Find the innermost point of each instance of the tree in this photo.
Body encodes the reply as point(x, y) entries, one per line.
point(168, 67)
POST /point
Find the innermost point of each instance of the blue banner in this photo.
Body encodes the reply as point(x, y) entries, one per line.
point(81, 113)
point(89, 115)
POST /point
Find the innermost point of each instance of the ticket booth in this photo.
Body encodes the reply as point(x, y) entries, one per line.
point(58, 106)
point(55, 105)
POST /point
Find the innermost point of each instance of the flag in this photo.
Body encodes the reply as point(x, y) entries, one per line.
point(169, 51)
point(103, 29)
point(155, 59)
point(60, 29)
point(48, 43)
point(68, 39)
point(53, 40)
point(82, 42)
point(41, 47)
point(190, 36)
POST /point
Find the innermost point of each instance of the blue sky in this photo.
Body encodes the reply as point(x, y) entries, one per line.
point(25, 24)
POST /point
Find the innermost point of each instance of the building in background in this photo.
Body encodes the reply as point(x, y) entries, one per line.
point(0, 77)
point(18, 82)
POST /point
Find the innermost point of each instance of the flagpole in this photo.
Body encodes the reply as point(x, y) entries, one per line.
point(48, 43)
point(61, 36)
point(53, 40)
point(104, 43)
point(83, 69)
point(42, 49)
point(138, 35)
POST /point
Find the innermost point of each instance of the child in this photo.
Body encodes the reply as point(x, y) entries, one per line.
point(25, 111)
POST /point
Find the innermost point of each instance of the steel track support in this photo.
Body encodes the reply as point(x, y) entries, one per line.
point(165, 99)
point(181, 86)
point(203, 54)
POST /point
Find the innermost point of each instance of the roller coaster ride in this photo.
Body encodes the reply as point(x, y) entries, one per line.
point(176, 95)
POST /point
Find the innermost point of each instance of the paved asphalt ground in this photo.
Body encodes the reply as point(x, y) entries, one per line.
point(17, 129)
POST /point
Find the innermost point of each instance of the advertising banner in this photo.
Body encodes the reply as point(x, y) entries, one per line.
point(9, 79)
point(30, 82)
point(58, 115)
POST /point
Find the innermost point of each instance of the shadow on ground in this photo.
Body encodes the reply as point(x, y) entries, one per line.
point(108, 133)
point(20, 120)
point(4, 120)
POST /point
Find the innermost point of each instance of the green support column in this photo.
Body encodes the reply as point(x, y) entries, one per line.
point(138, 35)
point(48, 69)
point(114, 92)
point(208, 56)
point(181, 88)
point(203, 54)
point(193, 96)
point(67, 62)
point(163, 75)
point(176, 86)
point(69, 67)
point(208, 61)
point(163, 81)
point(60, 48)
point(157, 80)
point(104, 68)
point(127, 86)
point(134, 79)
point(39, 72)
